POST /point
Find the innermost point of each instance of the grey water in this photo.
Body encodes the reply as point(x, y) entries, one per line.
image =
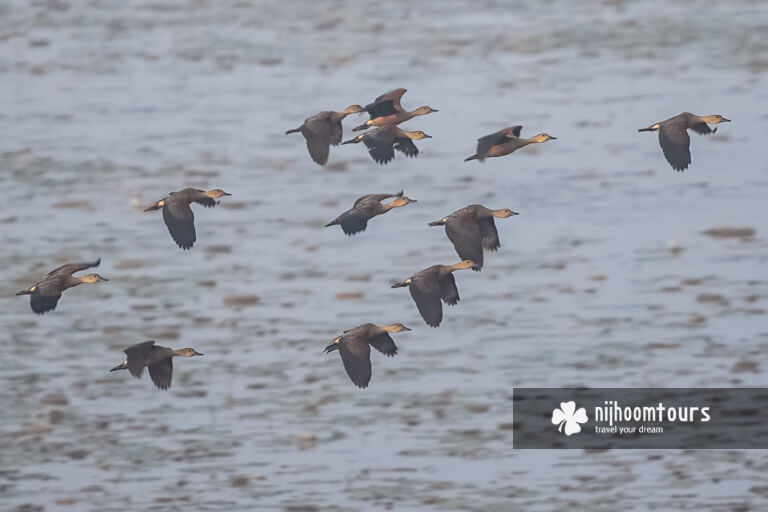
point(606, 278)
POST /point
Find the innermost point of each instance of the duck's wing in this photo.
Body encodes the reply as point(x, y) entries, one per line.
point(448, 291)
point(379, 144)
point(71, 268)
point(490, 237)
point(387, 104)
point(356, 356)
point(406, 146)
point(464, 233)
point(354, 220)
point(484, 144)
point(375, 197)
point(426, 294)
point(702, 128)
point(675, 144)
point(208, 202)
point(161, 373)
point(137, 356)
point(317, 132)
point(45, 296)
point(180, 221)
point(383, 343)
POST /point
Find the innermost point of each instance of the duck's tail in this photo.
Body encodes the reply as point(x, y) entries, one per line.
point(295, 130)
point(649, 129)
point(330, 348)
point(24, 292)
point(402, 284)
point(441, 222)
point(473, 157)
point(359, 128)
point(332, 223)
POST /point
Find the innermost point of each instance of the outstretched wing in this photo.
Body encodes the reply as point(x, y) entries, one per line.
point(137, 356)
point(465, 235)
point(317, 132)
point(379, 144)
point(356, 356)
point(675, 144)
point(383, 343)
point(180, 222)
point(490, 237)
point(484, 144)
point(426, 295)
point(406, 147)
point(448, 291)
point(161, 373)
point(71, 268)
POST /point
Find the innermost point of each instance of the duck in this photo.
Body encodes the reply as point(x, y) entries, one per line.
point(45, 295)
point(354, 346)
point(472, 229)
point(673, 136)
point(383, 141)
point(178, 215)
point(365, 208)
point(323, 130)
point(430, 285)
point(386, 109)
point(158, 359)
point(504, 142)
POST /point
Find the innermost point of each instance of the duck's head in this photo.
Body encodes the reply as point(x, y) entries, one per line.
point(402, 201)
point(716, 118)
point(353, 109)
point(504, 213)
point(426, 109)
point(463, 264)
point(418, 135)
point(217, 193)
point(93, 278)
point(187, 352)
point(396, 328)
point(543, 137)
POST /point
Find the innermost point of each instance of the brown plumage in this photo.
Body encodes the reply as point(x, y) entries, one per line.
point(355, 344)
point(46, 294)
point(386, 109)
point(365, 208)
point(504, 142)
point(178, 216)
point(432, 284)
point(323, 130)
point(673, 136)
point(472, 229)
point(158, 359)
point(382, 142)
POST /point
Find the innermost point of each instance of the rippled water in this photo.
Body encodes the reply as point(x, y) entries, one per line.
point(605, 279)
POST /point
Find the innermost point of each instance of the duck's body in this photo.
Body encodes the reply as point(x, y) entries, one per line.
point(46, 294)
point(472, 229)
point(432, 284)
point(323, 130)
point(386, 109)
point(673, 136)
point(382, 142)
point(354, 346)
point(365, 208)
point(504, 142)
point(178, 215)
point(158, 359)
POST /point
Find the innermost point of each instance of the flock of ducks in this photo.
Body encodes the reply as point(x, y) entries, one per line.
point(471, 230)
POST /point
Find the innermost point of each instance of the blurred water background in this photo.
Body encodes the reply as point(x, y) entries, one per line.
point(607, 277)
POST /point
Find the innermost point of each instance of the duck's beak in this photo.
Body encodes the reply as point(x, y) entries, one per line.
point(433, 110)
point(726, 120)
point(406, 328)
point(552, 138)
point(225, 193)
point(514, 213)
point(103, 279)
point(412, 200)
point(197, 353)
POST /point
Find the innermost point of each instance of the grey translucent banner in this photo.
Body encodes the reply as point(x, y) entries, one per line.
point(626, 418)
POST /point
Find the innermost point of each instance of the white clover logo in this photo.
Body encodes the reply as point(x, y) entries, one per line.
point(567, 416)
